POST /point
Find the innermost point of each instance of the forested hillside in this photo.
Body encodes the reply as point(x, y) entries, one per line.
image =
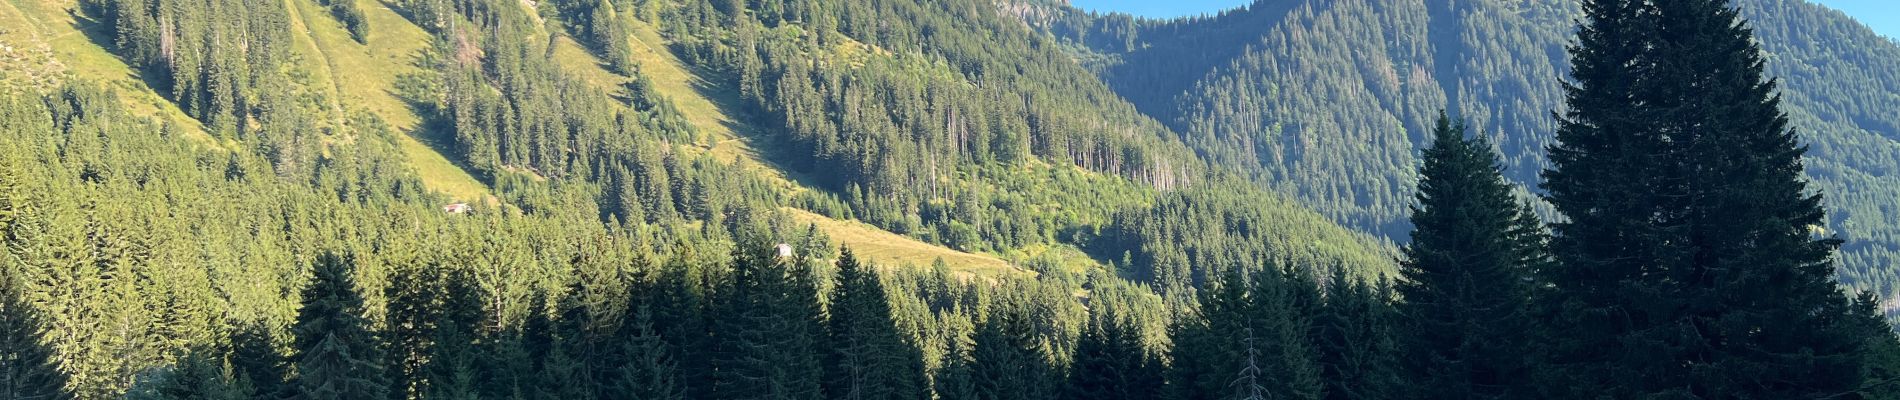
point(1328, 100)
point(422, 198)
point(897, 199)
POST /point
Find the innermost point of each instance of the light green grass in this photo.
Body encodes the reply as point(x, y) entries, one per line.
point(364, 77)
point(890, 249)
point(40, 27)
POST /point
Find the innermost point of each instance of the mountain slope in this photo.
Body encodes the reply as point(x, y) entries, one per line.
point(351, 77)
point(1326, 100)
point(699, 134)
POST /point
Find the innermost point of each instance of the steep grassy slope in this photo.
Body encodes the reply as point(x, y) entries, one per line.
point(40, 47)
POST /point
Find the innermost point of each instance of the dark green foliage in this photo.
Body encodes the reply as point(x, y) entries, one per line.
point(1112, 360)
point(1007, 360)
point(1880, 368)
point(650, 371)
point(197, 375)
point(768, 329)
point(1466, 275)
point(869, 358)
point(347, 12)
point(453, 367)
point(1357, 337)
point(407, 337)
point(1249, 337)
point(1688, 266)
point(336, 352)
point(256, 362)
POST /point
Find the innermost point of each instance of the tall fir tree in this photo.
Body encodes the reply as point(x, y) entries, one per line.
point(1465, 275)
point(407, 336)
point(953, 380)
point(869, 358)
point(1687, 264)
point(1881, 351)
point(197, 375)
point(336, 352)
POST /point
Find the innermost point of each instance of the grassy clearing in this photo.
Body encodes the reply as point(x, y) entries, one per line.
point(891, 249)
point(371, 71)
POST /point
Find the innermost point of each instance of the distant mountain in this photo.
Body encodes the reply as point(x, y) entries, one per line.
point(1328, 100)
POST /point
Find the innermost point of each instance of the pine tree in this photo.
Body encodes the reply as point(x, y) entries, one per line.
point(1464, 274)
point(1688, 265)
point(869, 359)
point(336, 352)
point(28, 369)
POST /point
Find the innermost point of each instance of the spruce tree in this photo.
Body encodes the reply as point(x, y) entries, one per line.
point(407, 336)
point(869, 358)
point(1007, 360)
point(1111, 362)
point(452, 371)
point(767, 330)
point(336, 352)
point(1880, 370)
point(1356, 339)
point(198, 375)
point(953, 380)
point(256, 361)
point(1249, 335)
point(1465, 275)
point(679, 299)
point(28, 369)
point(650, 372)
point(1687, 265)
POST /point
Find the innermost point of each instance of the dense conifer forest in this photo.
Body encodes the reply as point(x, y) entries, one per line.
point(936, 199)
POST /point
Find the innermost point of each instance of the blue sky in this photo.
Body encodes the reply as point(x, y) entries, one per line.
point(1882, 15)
